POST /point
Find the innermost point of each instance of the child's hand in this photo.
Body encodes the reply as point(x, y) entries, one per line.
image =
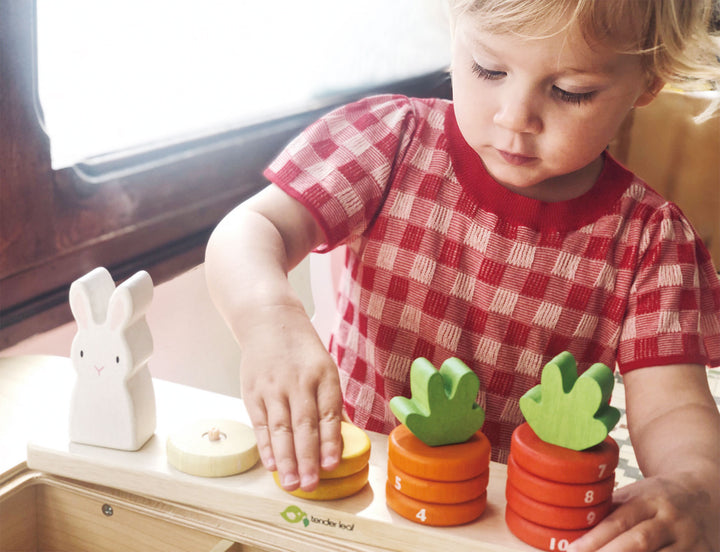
point(291, 388)
point(675, 429)
point(657, 513)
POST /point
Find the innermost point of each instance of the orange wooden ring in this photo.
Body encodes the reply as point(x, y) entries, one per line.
point(429, 513)
point(544, 538)
point(561, 464)
point(444, 463)
point(558, 517)
point(440, 492)
point(576, 495)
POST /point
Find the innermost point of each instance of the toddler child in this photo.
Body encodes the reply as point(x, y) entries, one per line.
point(497, 229)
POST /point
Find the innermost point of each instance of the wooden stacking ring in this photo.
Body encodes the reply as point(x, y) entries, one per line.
point(558, 517)
point(559, 494)
point(441, 492)
point(428, 513)
point(458, 462)
point(332, 489)
point(562, 464)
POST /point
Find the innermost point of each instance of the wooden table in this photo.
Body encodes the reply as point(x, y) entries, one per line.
point(246, 508)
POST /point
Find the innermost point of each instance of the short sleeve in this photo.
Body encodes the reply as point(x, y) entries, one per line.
point(673, 313)
point(339, 168)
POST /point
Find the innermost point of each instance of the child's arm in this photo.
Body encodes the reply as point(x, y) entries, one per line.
point(675, 429)
point(290, 384)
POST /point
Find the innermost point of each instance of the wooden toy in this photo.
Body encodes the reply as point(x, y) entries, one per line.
point(559, 494)
point(246, 507)
point(571, 411)
point(457, 462)
point(332, 489)
point(113, 402)
point(350, 476)
point(539, 536)
point(355, 453)
point(440, 492)
point(560, 464)
point(429, 513)
point(437, 458)
point(213, 448)
point(442, 410)
point(558, 517)
point(561, 469)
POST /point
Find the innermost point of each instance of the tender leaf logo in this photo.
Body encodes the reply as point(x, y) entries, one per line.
point(293, 514)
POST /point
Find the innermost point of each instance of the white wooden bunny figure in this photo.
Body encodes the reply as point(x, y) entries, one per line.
point(113, 402)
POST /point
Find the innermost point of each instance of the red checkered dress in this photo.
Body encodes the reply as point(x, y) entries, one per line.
point(443, 261)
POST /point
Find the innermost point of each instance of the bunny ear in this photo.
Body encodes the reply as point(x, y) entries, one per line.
point(130, 300)
point(89, 296)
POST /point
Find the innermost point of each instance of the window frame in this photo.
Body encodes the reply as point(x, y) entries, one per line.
point(147, 209)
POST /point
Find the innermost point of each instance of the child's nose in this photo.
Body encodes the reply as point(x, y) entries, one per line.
point(517, 112)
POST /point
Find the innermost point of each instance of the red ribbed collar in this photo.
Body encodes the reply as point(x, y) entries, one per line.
point(560, 216)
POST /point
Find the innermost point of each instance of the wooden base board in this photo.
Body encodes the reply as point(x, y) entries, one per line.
point(361, 519)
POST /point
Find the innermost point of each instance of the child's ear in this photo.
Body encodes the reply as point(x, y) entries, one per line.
point(651, 91)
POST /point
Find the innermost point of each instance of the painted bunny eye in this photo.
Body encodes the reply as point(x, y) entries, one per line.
point(117, 360)
point(81, 353)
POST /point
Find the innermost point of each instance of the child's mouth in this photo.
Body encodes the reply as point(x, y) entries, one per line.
point(515, 159)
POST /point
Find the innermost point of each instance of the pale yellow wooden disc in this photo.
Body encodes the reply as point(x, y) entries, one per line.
point(192, 449)
point(331, 489)
point(355, 454)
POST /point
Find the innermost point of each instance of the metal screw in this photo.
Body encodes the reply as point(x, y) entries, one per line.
point(107, 510)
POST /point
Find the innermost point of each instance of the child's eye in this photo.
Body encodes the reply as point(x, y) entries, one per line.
point(487, 74)
point(576, 98)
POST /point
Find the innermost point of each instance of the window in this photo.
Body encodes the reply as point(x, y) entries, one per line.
point(162, 189)
point(119, 73)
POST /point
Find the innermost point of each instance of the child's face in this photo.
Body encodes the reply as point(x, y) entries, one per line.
point(539, 112)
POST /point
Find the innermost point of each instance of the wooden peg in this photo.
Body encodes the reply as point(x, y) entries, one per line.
point(571, 411)
point(213, 448)
point(442, 410)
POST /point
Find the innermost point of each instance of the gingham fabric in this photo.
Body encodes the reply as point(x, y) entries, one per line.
point(443, 261)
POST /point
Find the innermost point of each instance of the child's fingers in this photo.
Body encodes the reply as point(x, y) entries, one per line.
point(306, 439)
point(280, 431)
point(331, 413)
point(258, 419)
point(638, 526)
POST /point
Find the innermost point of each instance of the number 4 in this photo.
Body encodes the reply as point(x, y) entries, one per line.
point(422, 515)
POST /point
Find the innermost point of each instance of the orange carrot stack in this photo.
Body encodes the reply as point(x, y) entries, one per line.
point(438, 460)
point(561, 469)
point(443, 485)
point(555, 494)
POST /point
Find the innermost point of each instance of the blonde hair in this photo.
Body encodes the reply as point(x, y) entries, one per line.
point(673, 37)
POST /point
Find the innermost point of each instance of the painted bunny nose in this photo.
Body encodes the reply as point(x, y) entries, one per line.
point(100, 369)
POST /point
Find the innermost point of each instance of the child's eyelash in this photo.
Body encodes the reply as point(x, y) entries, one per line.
point(487, 74)
point(576, 98)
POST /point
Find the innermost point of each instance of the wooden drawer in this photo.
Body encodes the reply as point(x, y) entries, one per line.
point(42, 514)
